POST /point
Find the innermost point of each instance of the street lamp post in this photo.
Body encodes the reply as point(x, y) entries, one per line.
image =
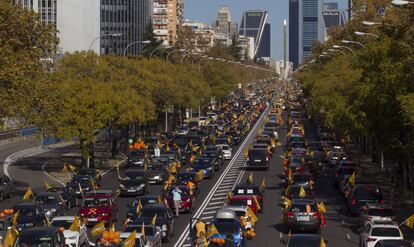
point(201, 60)
point(401, 3)
point(104, 35)
point(334, 50)
point(366, 34)
point(171, 52)
point(343, 46)
point(136, 42)
point(159, 48)
point(353, 42)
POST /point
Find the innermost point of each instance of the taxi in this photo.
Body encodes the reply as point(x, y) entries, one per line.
point(98, 207)
point(250, 195)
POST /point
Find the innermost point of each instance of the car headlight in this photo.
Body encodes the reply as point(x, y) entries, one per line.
point(141, 186)
point(164, 227)
point(157, 177)
point(209, 169)
point(104, 214)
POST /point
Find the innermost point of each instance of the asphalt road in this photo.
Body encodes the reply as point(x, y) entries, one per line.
point(340, 231)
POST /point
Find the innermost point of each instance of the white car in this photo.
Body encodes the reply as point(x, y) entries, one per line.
point(72, 238)
point(374, 232)
point(227, 151)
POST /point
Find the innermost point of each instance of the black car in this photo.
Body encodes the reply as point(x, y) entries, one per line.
point(134, 182)
point(361, 195)
point(145, 200)
point(137, 158)
point(258, 159)
point(41, 236)
point(92, 173)
point(157, 173)
point(205, 165)
point(6, 187)
point(394, 243)
point(214, 159)
point(304, 240)
point(68, 195)
point(52, 204)
point(165, 219)
point(79, 182)
point(30, 215)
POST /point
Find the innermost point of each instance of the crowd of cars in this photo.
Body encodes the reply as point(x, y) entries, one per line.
point(181, 159)
point(303, 216)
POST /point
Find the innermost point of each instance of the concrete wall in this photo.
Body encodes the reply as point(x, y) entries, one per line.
point(78, 22)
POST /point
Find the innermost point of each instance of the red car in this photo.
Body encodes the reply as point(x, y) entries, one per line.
point(98, 207)
point(248, 195)
point(187, 199)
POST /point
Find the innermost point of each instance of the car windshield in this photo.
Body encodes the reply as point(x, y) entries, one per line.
point(185, 177)
point(144, 201)
point(26, 211)
point(149, 230)
point(96, 202)
point(62, 223)
point(225, 147)
point(304, 241)
point(137, 242)
point(132, 182)
point(381, 212)
point(385, 232)
point(151, 212)
point(224, 228)
point(298, 208)
point(201, 163)
point(367, 193)
point(43, 199)
point(34, 241)
point(138, 154)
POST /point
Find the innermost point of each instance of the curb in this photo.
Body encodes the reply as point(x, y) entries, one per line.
point(13, 139)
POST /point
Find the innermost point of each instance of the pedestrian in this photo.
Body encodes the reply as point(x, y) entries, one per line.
point(177, 199)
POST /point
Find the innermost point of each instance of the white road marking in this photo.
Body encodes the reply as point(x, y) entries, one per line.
point(347, 235)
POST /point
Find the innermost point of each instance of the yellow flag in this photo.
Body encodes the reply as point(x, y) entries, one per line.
point(14, 218)
point(47, 185)
point(321, 207)
point(302, 192)
point(159, 200)
point(287, 190)
point(228, 196)
point(75, 225)
point(289, 234)
point(98, 229)
point(139, 207)
point(263, 184)
point(322, 244)
point(28, 194)
point(250, 178)
point(410, 221)
point(143, 230)
point(290, 175)
point(252, 216)
point(65, 168)
point(130, 241)
point(200, 175)
point(246, 152)
point(257, 203)
point(112, 228)
point(154, 220)
point(211, 231)
point(351, 180)
point(71, 168)
point(10, 237)
point(287, 203)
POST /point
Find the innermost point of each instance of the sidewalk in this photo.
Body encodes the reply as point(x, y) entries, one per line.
point(371, 172)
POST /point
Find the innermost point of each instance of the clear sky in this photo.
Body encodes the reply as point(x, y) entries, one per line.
point(206, 11)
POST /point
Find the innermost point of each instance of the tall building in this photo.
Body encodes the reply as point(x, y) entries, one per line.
point(225, 30)
point(224, 19)
point(127, 17)
point(247, 47)
point(305, 28)
point(264, 47)
point(203, 36)
point(77, 21)
point(253, 25)
point(167, 17)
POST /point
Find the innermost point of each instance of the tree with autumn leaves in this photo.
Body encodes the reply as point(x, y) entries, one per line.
point(370, 93)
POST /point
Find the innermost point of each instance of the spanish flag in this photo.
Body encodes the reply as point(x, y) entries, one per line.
point(139, 207)
point(154, 220)
point(10, 237)
point(252, 216)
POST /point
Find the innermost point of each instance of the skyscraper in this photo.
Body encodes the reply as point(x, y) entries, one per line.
point(167, 16)
point(305, 28)
point(264, 46)
point(128, 17)
point(224, 19)
point(253, 25)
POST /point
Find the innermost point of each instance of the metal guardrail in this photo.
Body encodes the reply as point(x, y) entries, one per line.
point(18, 133)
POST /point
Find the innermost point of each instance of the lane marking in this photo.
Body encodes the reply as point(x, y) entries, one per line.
point(347, 235)
point(186, 231)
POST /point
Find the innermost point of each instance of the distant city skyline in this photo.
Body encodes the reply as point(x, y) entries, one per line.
point(207, 12)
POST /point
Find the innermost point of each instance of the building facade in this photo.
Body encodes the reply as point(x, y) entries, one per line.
point(253, 25)
point(129, 18)
point(77, 21)
point(265, 43)
point(167, 18)
point(247, 47)
point(305, 28)
point(203, 36)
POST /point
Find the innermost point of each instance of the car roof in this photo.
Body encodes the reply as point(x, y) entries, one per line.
point(39, 231)
point(225, 214)
point(63, 218)
point(382, 224)
point(236, 207)
point(303, 201)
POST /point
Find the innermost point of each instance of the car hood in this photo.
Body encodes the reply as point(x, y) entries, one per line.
point(92, 210)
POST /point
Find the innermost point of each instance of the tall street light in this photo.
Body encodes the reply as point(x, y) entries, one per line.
point(366, 34)
point(371, 23)
point(401, 3)
point(345, 47)
point(201, 60)
point(104, 35)
point(171, 52)
point(353, 42)
point(159, 48)
point(334, 50)
point(136, 42)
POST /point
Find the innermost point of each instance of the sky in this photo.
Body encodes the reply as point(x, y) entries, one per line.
point(207, 10)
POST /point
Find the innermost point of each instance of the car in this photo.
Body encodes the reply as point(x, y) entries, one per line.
point(302, 179)
point(374, 232)
point(40, 236)
point(145, 200)
point(343, 173)
point(214, 159)
point(203, 164)
point(152, 233)
point(72, 238)
point(81, 184)
point(187, 199)
point(302, 215)
point(137, 158)
point(157, 173)
point(98, 207)
point(182, 130)
point(52, 204)
point(241, 211)
point(250, 195)
point(134, 182)
point(165, 219)
point(362, 194)
point(68, 195)
point(5, 224)
point(258, 159)
point(376, 213)
point(394, 243)
point(304, 240)
point(182, 178)
point(227, 223)
point(6, 187)
point(92, 173)
point(227, 151)
point(140, 241)
point(293, 192)
point(30, 215)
